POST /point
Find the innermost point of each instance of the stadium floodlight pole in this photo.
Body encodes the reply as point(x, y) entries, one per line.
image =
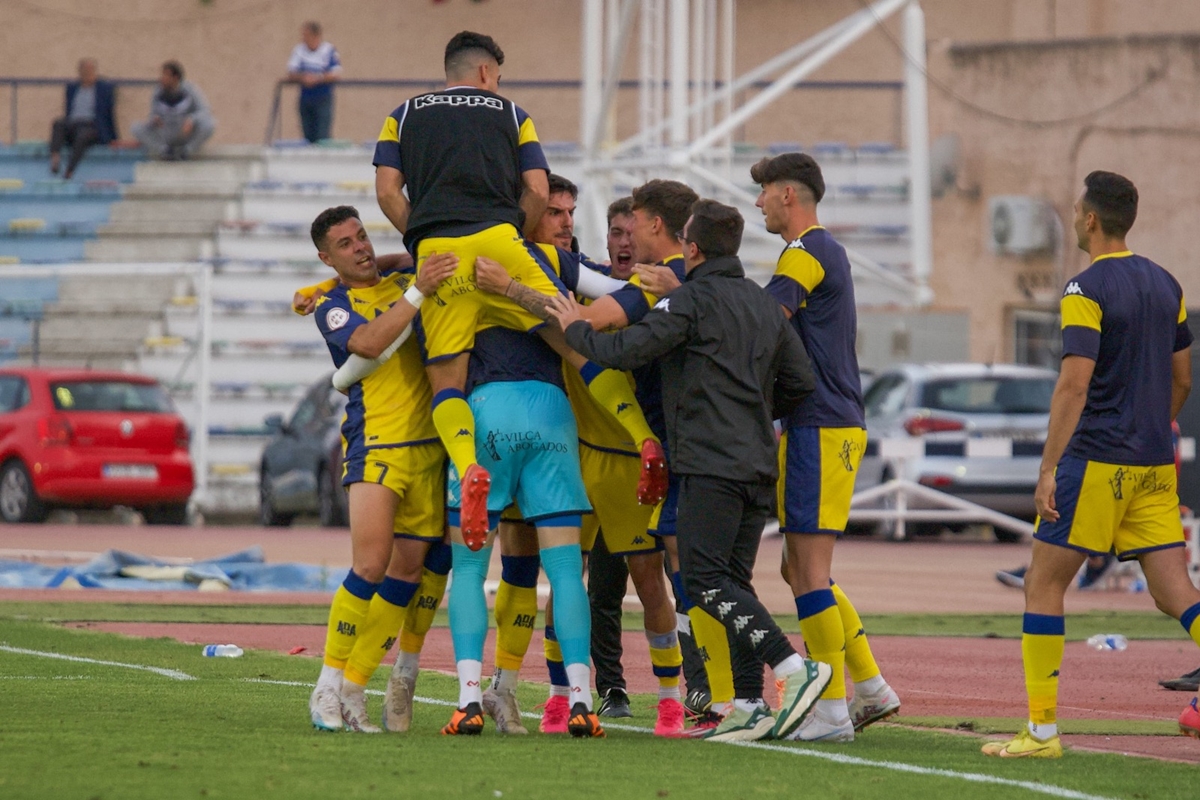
point(852, 33)
point(678, 90)
point(597, 122)
point(916, 105)
point(726, 94)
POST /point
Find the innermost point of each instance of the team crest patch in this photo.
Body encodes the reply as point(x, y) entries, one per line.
point(336, 318)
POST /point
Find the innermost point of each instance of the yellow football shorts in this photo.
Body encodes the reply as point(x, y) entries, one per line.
point(1112, 507)
point(417, 474)
point(817, 468)
point(611, 481)
point(451, 317)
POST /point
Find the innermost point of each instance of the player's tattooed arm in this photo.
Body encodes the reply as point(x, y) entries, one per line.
point(491, 277)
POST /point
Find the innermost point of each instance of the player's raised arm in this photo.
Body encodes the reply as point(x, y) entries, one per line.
point(389, 191)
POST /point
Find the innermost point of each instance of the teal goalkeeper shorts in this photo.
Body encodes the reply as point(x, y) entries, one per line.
point(525, 437)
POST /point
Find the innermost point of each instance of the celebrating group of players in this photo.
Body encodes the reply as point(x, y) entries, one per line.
point(549, 450)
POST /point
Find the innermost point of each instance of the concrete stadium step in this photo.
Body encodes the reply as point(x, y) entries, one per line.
point(297, 165)
point(148, 247)
point(290, 205)
point(210, 169)
point(169, 207)
point(269, 244)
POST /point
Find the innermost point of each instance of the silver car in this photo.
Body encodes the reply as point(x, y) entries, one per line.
point(944, 405)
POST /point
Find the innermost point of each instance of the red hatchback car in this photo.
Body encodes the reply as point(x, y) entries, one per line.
point(85, 439)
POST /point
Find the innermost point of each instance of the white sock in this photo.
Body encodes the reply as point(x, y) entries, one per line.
point(580, 678)
point(504, 680)
point(330, 677)
point(834, 710)
point(560, 691)
point(870, 685)
point(470, 674)
point(722, 709)
point(669, 692)
point(408, 664)
point(747, 705)
point(793, 663)
point(1043, 731)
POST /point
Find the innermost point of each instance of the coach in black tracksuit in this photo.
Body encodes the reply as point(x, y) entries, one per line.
point(731, 364)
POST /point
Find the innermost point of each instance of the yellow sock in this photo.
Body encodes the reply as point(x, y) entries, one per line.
point(713, 643)
point(859, 658)
point(666, 659)
point(346, 616)
point(516, 613)
point(1042, 652)
point(821, 626)
point(384, 617)
point(418, 618)
point(613, 390)
point(455, 425)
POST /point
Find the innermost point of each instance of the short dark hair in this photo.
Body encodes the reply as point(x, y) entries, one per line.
point(559, 184)
point(175, 68)
point(1113, 199)
point(670, 200)
point(327, 219)
point(715, 228)
point(800, 168)
point(312, 26)
point(460, 48)
point(616, 208)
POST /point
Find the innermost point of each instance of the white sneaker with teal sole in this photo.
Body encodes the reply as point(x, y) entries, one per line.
point(325, 709)
point(801, 690)
point(740, 725)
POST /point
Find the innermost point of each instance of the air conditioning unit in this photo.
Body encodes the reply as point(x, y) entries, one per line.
point(1019, 225)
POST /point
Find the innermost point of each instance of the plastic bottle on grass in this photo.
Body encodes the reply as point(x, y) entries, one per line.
point(225, 651)
point(1108, 641)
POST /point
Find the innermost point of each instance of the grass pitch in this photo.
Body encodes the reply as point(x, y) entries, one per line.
point(238, 728)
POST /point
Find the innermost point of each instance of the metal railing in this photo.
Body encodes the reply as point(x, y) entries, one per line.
point(14, 86)
point(275, 123)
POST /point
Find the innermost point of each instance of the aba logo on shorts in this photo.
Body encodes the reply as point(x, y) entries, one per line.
point(456, 100)
point(847, 454)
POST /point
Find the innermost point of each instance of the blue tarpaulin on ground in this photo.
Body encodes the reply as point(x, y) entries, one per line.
point(246, 570)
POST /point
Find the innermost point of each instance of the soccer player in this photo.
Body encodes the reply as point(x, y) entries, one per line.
point(729, 361)
point(822, 444)
point(394, 464)
point(609, 463)
point(1107, 477)
point(475, 177)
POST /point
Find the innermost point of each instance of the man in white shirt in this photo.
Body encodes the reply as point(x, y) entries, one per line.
point(315, 65)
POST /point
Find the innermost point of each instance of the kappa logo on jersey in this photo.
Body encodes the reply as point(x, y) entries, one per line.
point(638, 540)
point(796, 245)
point(454, 100)
point(1073, 288)
point(337, 318)
point(664, 305)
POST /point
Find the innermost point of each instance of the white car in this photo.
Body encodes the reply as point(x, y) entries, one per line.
point(944, 405)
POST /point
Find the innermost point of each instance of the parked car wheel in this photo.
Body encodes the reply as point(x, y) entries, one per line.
point(166, 515)
point(328, 503)
point(267, 515)
point(18, 500)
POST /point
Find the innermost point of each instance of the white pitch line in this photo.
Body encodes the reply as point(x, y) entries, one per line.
point(839, 758)
point(167, 673)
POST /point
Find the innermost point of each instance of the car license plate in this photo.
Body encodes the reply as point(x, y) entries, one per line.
point(140, 472)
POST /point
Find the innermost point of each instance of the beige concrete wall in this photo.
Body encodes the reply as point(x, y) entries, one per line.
point(236, 50)
point(1130, 106)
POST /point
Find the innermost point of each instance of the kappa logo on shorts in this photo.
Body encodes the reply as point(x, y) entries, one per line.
point(462, 432)
point(456, 100)
point(638, 540)
point(336, 318)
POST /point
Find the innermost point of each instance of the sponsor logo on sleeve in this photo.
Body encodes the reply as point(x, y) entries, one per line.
point(1073, 288)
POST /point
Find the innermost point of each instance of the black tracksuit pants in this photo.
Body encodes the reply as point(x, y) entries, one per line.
point(608, 577)
point(719, 527)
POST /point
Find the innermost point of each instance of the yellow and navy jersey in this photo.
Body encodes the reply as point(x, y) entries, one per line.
point(1127, 314)
point(812, 281)
point(636, 302)
point(391, 406)
point(462, 152)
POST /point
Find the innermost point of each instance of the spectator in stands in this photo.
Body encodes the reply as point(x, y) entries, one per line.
point(180, 120)
point(88, 118)
point(314, 64)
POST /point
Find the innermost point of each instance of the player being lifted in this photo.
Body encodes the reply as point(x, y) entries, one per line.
point(394, 463)
point(475, 174)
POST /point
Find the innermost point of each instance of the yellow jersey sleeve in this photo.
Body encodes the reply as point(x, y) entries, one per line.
point(322, 288)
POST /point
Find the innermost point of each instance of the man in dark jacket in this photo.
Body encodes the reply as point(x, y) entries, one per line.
point(730, 365)
point(88, 117)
